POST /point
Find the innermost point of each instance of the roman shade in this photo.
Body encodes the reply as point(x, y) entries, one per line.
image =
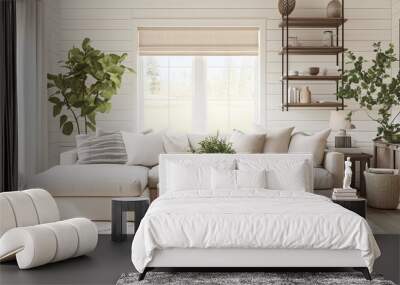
point(198, 40)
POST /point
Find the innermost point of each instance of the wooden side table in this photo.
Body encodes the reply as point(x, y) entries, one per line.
point(358, 206)
point(362, 158)
point(120, 206)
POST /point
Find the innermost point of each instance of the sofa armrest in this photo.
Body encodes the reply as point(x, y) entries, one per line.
point(69, 157)
point(334, 163)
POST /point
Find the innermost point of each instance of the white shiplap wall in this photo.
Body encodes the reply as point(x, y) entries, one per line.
point(395, 29)
point(109, 25)
point(395, 40)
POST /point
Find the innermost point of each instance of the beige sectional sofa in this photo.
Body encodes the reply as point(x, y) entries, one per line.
point(86, 189)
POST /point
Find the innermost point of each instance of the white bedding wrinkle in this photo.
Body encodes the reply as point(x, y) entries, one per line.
point(252, 218)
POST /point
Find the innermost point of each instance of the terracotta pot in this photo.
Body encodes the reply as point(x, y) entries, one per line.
point(286, 7)
point(334, 9)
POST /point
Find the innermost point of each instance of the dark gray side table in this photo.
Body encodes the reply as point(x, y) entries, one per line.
point(120, 206)
point(358, 206)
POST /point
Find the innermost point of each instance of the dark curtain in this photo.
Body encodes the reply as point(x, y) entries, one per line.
point(8, 98)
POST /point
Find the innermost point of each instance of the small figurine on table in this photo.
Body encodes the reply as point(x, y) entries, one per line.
point(347, 174)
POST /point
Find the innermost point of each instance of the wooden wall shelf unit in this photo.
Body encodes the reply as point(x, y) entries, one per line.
point(313, 50)
point(316, 104)
point(312, 77)
point(338, 51)
point(300, 22)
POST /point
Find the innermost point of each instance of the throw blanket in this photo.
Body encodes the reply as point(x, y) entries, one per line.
point(253, 218)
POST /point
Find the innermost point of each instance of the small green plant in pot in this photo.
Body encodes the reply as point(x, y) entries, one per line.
point(374, 87)
point(215, 144)
point(90, 80)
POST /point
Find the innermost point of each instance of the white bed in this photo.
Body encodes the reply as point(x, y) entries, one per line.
point(249, 227)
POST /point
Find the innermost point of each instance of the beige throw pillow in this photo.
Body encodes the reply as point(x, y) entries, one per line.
point(247, 143)
point(276, 141)
point(194, 140)
point(315, 144)
point(143, 149)
point(176, 143)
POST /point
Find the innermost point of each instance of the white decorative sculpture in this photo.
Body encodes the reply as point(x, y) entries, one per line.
point(347, 174)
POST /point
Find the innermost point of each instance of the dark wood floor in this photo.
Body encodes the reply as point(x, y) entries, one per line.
point(110, 260)
point(103, 266)
point(384, 221)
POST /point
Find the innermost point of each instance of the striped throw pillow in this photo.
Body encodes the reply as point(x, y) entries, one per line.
point(107, 148)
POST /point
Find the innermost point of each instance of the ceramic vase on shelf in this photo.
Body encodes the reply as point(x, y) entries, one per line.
point(334, 9)
point(286, 7)
point(305, 95)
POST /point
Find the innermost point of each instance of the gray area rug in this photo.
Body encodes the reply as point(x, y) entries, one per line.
point(243, 278)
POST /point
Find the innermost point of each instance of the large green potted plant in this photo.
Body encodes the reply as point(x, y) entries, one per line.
point(372, 85)
point(86, 87)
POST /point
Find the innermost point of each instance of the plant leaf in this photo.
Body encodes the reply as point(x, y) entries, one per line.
point(63, 119)
point(67, 128)
point(85, 43)
point(54, 100)
point(91, 126)
point(57, 109)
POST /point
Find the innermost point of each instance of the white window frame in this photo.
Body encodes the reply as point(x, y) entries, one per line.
point(261, 100)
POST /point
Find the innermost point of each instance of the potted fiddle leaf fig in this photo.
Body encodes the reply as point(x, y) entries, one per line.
point(373, 87)
point(90, 80)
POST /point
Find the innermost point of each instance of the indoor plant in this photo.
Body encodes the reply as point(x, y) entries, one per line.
point(374, 87)
point(90, 79)
point(215, 144)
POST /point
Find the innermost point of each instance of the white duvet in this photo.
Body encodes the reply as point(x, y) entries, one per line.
point(254, 218)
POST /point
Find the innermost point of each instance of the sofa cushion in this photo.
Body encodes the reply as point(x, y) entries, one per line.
point(315, 144)
point(276, 141)
point(247, 143)
point(195, 139)
point(107, 180)
point(143, 149)
point(105, 148)
point(323, 179)
point(176, 143)
point(153, 177)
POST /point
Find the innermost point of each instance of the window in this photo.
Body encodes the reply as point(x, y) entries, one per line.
point(199, 93)
point(168, 92)
point(199, 79)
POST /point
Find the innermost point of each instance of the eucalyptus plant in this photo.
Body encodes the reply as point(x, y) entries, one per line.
point(215, 144)
point(372, 85)
point(90, 80)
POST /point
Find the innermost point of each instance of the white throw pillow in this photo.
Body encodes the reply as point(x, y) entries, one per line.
point(237, 179)
point(247, 143)
point(102, 132)
point(195, 139)
point(315, 144)
point(251, 179)
point(143, 149)
point(223, 179)
point(188, 175)
point(281, 174)
point(276, 141)
point(292, 179)
point(176, 143)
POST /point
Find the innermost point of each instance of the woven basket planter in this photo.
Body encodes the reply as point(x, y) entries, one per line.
point(383, 190)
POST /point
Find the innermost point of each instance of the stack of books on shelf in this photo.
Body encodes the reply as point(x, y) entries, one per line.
point(344, 194)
